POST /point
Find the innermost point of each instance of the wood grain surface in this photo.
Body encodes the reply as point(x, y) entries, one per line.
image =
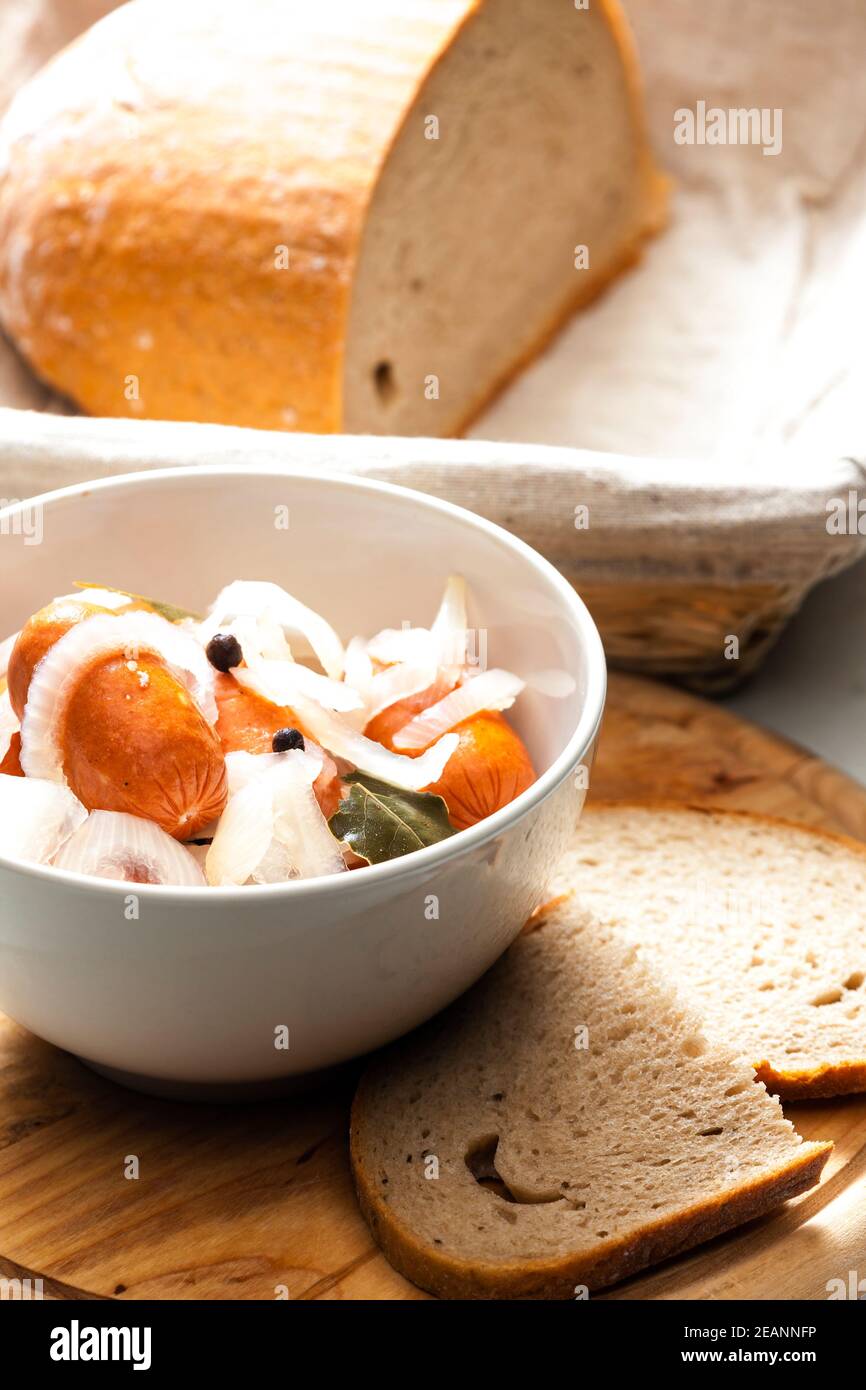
point(256, 1201)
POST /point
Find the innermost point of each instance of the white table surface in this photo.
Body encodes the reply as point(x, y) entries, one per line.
point(812, 687)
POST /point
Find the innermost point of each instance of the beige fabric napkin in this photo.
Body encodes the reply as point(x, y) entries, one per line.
point(600, 518)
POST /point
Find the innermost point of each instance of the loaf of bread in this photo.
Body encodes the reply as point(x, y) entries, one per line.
point(762, 922)
point(565, 1124)
point(318, 215)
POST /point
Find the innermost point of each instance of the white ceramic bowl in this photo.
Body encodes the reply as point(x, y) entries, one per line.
point(188, 989)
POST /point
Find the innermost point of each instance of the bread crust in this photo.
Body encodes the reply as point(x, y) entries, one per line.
point(818, 1083)
point(609, 1262)
point(160, 298)
point(173, 260)
point(821, 1083)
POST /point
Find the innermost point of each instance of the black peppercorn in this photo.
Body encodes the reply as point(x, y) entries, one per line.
point(287, 739)
point(224, 651)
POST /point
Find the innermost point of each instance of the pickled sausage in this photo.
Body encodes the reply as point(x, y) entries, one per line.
point(134, 740)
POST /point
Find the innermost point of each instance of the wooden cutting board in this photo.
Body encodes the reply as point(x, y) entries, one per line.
point(256, 1201)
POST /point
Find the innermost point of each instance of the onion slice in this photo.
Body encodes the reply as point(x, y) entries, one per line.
point(244, 768)
point(416, 645)
point(397, 683)
point(111, 844)
point(379, 690)
point(358, 673)
point(343, 741)
point(103, 635)
point(260, 639)
point(282, 682)
point(243, 835)
point(492, 690)
point(440, 648)
point(36, 818)
point(449, 627)
point(299, 824)
point(272, 829)
point(276, 866)
point(261, 599)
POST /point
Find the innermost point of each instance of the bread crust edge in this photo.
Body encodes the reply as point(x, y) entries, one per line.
point(324, 410)
point(563, 1278)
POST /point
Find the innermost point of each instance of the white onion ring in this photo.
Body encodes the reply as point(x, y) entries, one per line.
point(397, 683)
point(358, 673)
point(111, 844)
point(393, 645)
point(299, 824)
point(343, 741)
point(449, 628)
point(492, 690)
point(443, 645)
point(261, 599)
point(243, 768)
point(36, 818)
point(282, 682)
point(260, 639)
point(243, 836)
point(272, 829)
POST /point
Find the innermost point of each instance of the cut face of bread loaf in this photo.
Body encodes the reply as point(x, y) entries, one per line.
point(564, 1125)
point(317, 216)
point(762, 922)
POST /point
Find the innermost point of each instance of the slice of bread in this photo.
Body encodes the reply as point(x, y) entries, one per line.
point(763, 922)
point(319, 215)
point(564, 1125)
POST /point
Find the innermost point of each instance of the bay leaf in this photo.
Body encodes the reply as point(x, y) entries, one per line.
point(381, 822)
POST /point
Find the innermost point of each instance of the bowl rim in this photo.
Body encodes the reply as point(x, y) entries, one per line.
point(419, 861)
